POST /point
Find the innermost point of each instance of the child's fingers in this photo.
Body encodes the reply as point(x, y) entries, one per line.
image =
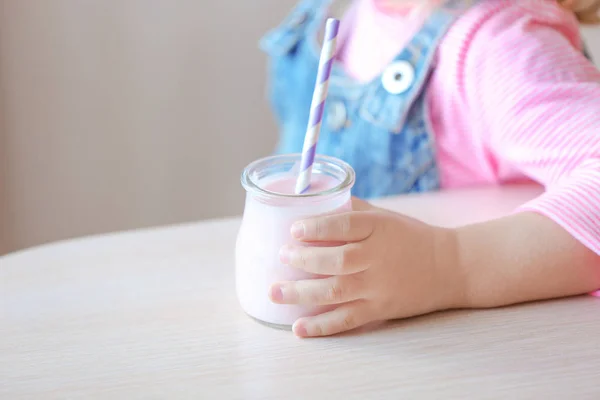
point(344, 318)
point(340, 260)
point(317, 292)
point(345, 227)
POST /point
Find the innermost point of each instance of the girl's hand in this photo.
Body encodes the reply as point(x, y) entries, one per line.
point(390, 266)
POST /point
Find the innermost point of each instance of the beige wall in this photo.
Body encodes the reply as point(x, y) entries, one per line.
point(118, 114)
point(128, 113)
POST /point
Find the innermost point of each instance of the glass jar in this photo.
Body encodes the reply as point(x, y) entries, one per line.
point(271, 208)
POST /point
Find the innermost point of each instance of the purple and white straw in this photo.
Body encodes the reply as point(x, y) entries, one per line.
point(318, 105)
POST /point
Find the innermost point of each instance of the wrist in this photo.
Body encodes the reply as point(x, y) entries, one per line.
point(452, 280)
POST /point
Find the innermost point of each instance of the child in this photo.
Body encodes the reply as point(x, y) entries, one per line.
point(430, 94)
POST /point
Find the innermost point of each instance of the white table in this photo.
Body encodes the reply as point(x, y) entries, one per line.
point(152, 314)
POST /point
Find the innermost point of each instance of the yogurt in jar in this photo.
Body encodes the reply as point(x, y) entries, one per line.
point(271, 208)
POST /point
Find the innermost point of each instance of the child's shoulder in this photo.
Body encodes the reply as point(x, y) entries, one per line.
point(516, 14)
point(506, 22)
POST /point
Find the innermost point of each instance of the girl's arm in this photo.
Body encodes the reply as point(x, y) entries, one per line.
point(521, 258)
point(536, 100)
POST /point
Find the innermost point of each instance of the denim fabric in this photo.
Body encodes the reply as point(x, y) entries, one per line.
point(380, 128)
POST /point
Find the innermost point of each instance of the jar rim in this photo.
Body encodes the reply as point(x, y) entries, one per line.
point(250, 185)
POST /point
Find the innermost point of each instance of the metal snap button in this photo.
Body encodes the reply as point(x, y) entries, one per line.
point(398, 77)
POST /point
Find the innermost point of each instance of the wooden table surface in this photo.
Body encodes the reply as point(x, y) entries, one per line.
point(153, 315)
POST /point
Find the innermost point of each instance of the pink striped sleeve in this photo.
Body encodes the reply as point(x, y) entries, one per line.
point(537, 101)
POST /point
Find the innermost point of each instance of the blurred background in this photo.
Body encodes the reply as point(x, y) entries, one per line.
point(125, 114)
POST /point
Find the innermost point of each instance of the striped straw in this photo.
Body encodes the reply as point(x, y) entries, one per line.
point(317, 106)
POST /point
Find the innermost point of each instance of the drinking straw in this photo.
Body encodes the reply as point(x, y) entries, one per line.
point(317, 106)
